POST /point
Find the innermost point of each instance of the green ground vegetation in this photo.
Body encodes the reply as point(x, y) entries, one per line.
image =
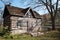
point(49, 35)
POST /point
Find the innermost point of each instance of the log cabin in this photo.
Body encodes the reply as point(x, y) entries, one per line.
point(21, 20)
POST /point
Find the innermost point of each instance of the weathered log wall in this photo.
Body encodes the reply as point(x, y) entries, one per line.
point(29, 24)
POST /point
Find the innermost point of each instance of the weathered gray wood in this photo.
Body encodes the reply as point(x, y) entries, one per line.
point(32, 25)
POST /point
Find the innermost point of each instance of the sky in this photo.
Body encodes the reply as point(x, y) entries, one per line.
point(23, 4)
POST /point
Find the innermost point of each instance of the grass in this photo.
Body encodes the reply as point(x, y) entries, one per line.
point(52, 35)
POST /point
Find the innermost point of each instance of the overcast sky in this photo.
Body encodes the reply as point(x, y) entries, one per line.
point(23, 4)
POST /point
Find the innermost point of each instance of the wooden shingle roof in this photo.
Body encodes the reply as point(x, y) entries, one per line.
point(19, 11)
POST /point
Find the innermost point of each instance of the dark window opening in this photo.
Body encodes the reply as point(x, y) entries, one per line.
point(20, 23)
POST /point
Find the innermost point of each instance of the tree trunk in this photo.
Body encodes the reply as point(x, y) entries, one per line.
point(53, 23)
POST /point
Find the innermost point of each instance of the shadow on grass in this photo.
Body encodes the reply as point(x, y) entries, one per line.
point(2, 34)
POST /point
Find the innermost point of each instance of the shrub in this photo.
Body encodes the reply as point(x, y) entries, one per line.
point(7, 36)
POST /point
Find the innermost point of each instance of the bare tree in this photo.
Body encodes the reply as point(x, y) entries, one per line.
point(52, 9)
